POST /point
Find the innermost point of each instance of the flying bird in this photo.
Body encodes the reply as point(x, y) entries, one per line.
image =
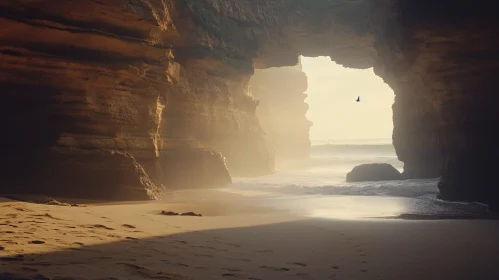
point(358, 99)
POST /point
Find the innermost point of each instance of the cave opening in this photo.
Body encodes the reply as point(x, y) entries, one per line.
point(351, 112)
point(321, 108)
point(348, 106)
point(320, 133)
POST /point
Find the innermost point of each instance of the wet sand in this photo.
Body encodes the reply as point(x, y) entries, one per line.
point(235, 239)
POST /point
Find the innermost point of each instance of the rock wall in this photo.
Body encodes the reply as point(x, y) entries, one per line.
point(440, 59)
point(100, 175)
point(147, 76)
point(282, 110)
point(88, 77)
point(193, 168)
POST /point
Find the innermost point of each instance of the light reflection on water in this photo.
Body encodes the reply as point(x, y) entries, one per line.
point(346, 207)
point(341, 207)
point(359, 207)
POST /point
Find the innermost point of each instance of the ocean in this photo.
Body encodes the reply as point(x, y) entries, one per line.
point(317, 187)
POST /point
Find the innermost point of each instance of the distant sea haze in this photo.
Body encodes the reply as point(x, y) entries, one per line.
point(345, 141)
point(324, 172)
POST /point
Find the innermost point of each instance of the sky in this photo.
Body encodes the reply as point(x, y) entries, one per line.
point(332, 94)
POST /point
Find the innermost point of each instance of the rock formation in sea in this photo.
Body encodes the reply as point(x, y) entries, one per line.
point(145, 77)
point(282, 110)
point(373, 172)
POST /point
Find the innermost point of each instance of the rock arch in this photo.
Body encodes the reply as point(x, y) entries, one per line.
point(100, 71)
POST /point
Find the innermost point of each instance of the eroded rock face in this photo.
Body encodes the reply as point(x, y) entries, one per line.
point(102, 76)
point(193, 168)
point(373, 172)
point(440, 59)
point(282, 110)
point(144, 76)
point(101, 175)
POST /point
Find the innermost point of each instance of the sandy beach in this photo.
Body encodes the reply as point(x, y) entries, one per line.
point(234, 240)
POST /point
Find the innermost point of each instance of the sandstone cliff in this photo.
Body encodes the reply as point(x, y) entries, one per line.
point(149, 76)
point(282, 110)
point(86, 77)
point(440, 59)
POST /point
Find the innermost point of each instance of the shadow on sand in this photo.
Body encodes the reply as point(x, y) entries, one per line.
point(306, 249)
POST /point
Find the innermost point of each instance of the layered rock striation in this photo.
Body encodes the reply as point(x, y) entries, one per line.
point(89, 77)
point(150, 77)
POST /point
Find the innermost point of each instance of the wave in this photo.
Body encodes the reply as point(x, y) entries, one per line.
point(404, 188)
point(387, 148)
point(324, 174)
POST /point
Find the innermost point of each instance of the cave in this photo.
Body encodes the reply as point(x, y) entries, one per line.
point(120, 99)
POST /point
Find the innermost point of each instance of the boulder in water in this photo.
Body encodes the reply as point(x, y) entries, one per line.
point(373, 172)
